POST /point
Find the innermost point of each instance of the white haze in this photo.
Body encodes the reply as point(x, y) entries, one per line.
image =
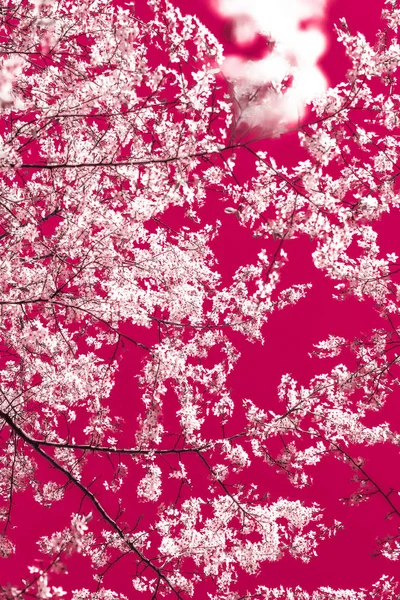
point(296, 27)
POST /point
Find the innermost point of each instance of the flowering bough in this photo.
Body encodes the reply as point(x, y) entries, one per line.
point(111, 120)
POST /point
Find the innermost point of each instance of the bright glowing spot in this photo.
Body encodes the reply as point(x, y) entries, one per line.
point(273, 92)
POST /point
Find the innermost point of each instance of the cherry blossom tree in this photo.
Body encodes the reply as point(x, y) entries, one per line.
point(117, 131)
